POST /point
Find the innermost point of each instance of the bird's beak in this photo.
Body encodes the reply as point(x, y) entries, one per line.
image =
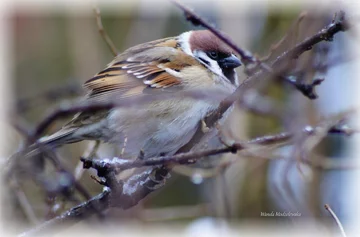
point(230, 62)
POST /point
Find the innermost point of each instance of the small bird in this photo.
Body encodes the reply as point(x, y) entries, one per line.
point(194, 60)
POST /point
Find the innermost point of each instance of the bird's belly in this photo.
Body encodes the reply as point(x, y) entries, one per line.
point(161, 128)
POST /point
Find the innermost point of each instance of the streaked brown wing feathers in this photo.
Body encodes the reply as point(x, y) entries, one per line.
point(141, 69)
point(130, 78)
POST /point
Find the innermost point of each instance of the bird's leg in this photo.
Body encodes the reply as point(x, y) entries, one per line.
point(228, 142)
point(93, 151)
point(141, 155)
point(124, 146)
point(204, 127)
point(158, 176)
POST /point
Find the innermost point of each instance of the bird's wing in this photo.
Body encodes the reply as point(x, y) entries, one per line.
point(146, 68)
point(151, 65)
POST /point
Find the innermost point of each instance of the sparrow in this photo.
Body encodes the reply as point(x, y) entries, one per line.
point(194, 60)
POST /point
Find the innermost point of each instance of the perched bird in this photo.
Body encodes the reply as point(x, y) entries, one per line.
point(194, 60)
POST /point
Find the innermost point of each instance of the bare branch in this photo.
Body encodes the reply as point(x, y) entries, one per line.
point(308, 90)
point(247, 57)
point(293, 30)
point(251, 62)
point(325, 34)
point(281, 62)
point(119, 194)
point(132, 191)
point(24, 202)
point(117, 165)
point(76, 213)
point(51, 95)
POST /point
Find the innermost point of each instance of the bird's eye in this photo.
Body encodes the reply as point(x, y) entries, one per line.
point(213, 54)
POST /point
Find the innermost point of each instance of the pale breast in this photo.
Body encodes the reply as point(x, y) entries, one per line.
point(160, 128)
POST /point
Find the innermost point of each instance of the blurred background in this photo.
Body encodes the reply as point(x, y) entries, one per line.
point(55, 49)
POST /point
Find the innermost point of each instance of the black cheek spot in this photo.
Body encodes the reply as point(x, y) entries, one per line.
point(176, 70)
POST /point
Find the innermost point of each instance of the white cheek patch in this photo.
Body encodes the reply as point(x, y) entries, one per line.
point(213, 65)
point(184, 40)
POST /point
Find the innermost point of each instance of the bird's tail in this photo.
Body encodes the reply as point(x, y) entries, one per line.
point(59, 138)
point(45, 145)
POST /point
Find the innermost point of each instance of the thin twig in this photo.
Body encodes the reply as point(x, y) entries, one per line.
point(251, 62)
point(24, 202)
point(103, 33)
point(135, 189)
point(325, 34)
point(247, 57)
point(52, 156)
point(52, 95)
point(129, 199)
point(183, 158)
point(294, 29)
point(191, 157)
point(81, 211)
point(332, 213)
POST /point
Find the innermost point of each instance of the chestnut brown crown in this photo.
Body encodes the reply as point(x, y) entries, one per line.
point(206, 41)
point(212, 52)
